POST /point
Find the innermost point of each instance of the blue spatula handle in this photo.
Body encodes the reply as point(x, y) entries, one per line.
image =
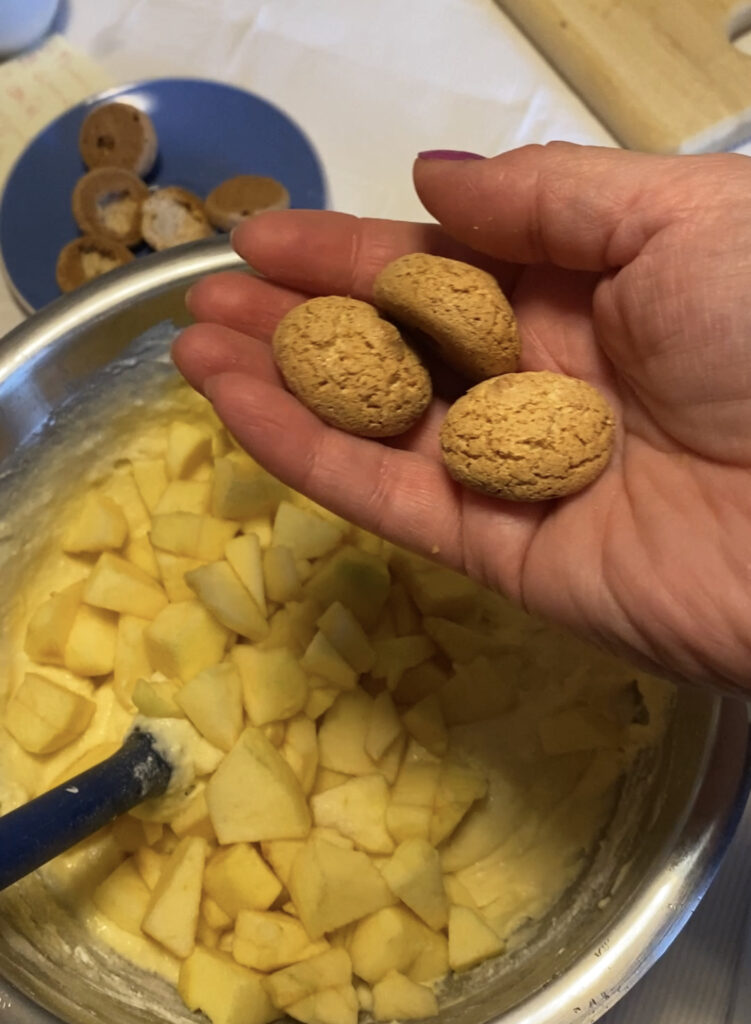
point(41, 829)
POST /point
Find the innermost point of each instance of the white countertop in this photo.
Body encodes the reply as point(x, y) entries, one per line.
point(372, 82)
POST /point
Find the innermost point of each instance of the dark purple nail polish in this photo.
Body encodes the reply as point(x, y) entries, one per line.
point(448, 154)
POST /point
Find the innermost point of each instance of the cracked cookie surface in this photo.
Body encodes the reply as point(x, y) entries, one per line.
point(528, 436)
point(461, 307)
point(350, 367)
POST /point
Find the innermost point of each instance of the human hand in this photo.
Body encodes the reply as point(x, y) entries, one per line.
point(630, 271)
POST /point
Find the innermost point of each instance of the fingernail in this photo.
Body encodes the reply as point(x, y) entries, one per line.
point(448, 154)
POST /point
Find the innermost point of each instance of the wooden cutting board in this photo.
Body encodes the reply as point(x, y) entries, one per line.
point(662, 75)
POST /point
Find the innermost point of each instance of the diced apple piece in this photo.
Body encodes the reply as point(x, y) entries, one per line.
point(268, 941)
point(458, 788)
point(50, 625)
point(432, 960)
point(150, 476)
point(274, 685)
point(395, 997)
point(573, 729)
point(99, 526)
point(357, 809)
point(460, 643)
point(260, 527)
point(219, 588)
point(242, 489)
point(332, 1006)
point(190, 497)
point(275, 732)
point(357, 580)
point(90, 649)
point(405, 616)
point(120, 586)
point(255, 795)
point(390, 762)
point(172, 914)
point(184, 639)
point(150, 866)
point(192, 536)
point(292, 627)
point(305, 533)
point(425, 723)
point(480, 689)
point(123, 897)
point(281, 853)
point(244, 555)
point(414, 874)
point(396, 654)
point(280, 574)
point(387, 940)
point(226, 992)
point(331, 886)
point(300, 750)
point(344, 632)
point(417, 781)
point(214, 916)
point(341, 736)
point(442, 592)
point(238, 879)
point(193, 819)
point(408, 821)
point(298, 981)
point(140, 552)
point(44, 717)
point(322, 659)
point(213, 702)
point(207, 936)
point(121, 488)
point(320, 700)
point(419, 682)
point(327, 779)
point(172, 570)
point(128, 833)
point(471, 940)
point(188, 446)
point(155, 697)
point(384, 727)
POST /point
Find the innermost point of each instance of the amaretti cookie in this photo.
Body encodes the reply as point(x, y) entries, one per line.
point(88, 257)
point(350, 367)
point(243, 196)
point(528, 436)
point(459, 306)
point(107, 202)
point(171, 216)
point(118, 135)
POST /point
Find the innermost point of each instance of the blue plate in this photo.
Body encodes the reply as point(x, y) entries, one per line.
point(207, 132)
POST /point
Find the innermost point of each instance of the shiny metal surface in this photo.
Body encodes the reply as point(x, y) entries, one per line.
point(645, 881)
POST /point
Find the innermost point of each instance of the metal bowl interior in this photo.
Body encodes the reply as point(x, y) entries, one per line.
point(673, 820)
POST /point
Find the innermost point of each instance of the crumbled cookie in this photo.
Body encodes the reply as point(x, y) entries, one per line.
point(172, 216)
point(88, 257)
point(353, 369)
point(459, 306)
point(528, 436)
point(107, 202)
point(118, 135)
point(243, 196)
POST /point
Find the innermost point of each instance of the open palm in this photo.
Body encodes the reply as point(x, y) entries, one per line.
point(629, 271)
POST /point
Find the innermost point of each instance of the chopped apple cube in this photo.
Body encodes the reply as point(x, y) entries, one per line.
point(458, 788)
point(414, 874)
point(192, 536)
point(172, 913)
point(149, 865)
point(320, 700)
point(155, 697)
point(331, 1006)
point(300, 750)
point(441, 592)
point(91, 644)
point(260, 527)
point(214, 916)
point(274, 685)
point(99, 526)
point(184, 639)
point(304, 532)
point(357, 580)
point(213, 702)
point(219, 588)
point(281, 853)
point(226, 992)
point(344, 632)
point(244, 555)
point(268, 941)
point(408, 821)
point(192, 819)
point(241, 489)
point(50, 625)
point(322, 659)
point(188, 446)
point(419, 682)
point(395, 997)
point(121, 488)
point(120, 586)
point(255, 795)
point(341, 736)
point(172, 570)
point(238, 879)
point(384, 727)
point(390, 762)
point(471, 939)
point(150, 476)
point(327, 970)
point(460, 643)
point(44, 716)
point(405, 616)
point(327, 779)
point(357, 809)
point(292, 626)
point(191, 497)
point(387, 940)
point(123, 897)
point(128, 833)
point(396, 654)
point(432, 960)
point(140, 552)
point(331, 886)
point(280, 574)
point(425, 723)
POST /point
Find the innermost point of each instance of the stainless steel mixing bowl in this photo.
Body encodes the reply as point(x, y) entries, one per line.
point(661, 849)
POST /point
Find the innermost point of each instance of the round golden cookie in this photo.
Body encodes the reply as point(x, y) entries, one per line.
point(528, 436)
point(353, 369)
point(244, 196)
point(88, 257)
point(118, 135)
point(459, 306)
point(107, 202)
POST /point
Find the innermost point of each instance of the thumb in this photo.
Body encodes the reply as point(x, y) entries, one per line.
point(580, 207)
